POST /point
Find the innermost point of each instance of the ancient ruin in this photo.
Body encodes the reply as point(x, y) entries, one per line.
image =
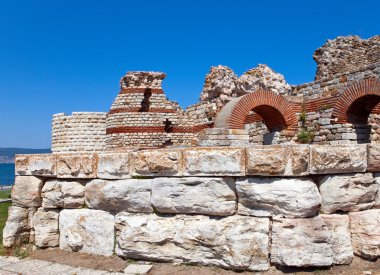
point(258, 173)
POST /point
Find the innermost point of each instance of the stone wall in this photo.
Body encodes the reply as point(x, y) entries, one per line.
point(79, 132)
point(344, 54)
point(240, 208)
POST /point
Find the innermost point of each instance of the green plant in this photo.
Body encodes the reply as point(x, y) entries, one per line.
point(305, 136)
point(303, 117)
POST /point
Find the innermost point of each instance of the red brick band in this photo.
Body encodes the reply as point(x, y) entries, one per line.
point(141, 91)
point(157, 129)
point(137, 109)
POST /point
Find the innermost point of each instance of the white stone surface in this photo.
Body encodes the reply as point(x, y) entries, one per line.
point(234, 242)
point(158, 163)
point(45, 225)
point(266, 197)
point(86, 230)
point(216, 161)
point(37, 165)
point(63, 194)
point(338, 159)
point(365, 233)
point(16, 229)
point(114, 166)
point(348, 192)
point(134, 269)
point(131, 195)
point(189, 195)
point(26, 191)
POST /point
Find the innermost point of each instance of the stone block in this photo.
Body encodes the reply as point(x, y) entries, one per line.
point(44, 165)
point(77, 166)
point(347, 192)
point(87, 231)
point(209, 196)
point(217, 161)
point(158, 163)
point(45, 225)
point(269, 196)
point(276, 160)
point(234, 242)
point(338, 159)
point(365, 233)
point(377, 201)
point(373, 157)
point(63, 194)
point(26, 191)
point(132, 195)
point(114, 166)
point(318, 241)
point(16, 230)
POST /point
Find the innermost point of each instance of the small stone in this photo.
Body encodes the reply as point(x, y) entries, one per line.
point(16, 230)
point(133, 269)
point(45, 225)
point(63, 194)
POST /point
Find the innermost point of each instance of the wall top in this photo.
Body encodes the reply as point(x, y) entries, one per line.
point(142, 80)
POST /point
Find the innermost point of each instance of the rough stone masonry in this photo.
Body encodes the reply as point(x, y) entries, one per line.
point(258, 173)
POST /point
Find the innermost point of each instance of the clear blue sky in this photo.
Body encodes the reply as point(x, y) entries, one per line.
point(68, 55)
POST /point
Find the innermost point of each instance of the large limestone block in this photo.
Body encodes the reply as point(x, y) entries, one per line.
point(348, 192)
point(158, 163)
point(114, 166)
point(26, 191)
point(377, 201)
point(338, 159)
point(340, 240)
point(44, 165)
point(77, 166)
point(301, 242)
point(16, 229)
point(278, 160)
point(87, 231)
point(210, 196)
point(234, 242)
point(217, 161)
point(132, 195)
point(63, 194)
point(365, 233)
point(374, 157)
point(266, 197)
point(45, 225)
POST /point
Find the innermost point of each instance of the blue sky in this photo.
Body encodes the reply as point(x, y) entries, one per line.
point(68, 55)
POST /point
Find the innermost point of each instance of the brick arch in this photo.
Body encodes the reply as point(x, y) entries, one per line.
point(368, 89)
point(233, 114)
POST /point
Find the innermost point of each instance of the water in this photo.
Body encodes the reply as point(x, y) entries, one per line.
point(7, 172)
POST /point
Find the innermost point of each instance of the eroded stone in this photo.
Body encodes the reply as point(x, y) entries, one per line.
point(158, 163)
point(16, 229)
point(131, 195)
point(86, 230)
point(43, 165)
point(114, 166)
point(338, 159)
point(216, 161)
point(266, 197)
point(374, 157)
point(234, 242)
point(45, 225)
point(348, 192)
point(26, 191)
point(63, 194)
point(77, 166)
point(278, 160)
point(210, 196)
point(365, 233)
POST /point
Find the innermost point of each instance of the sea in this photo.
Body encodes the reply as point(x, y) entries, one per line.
point(7, 173)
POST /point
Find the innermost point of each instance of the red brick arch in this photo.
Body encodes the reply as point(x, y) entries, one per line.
point(272, 107)
point(368, 88)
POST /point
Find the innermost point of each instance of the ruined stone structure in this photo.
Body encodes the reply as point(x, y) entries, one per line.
point(215, 195)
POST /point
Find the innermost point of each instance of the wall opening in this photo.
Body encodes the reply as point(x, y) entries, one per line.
point(145, 103)
point(168, 126)
point(358, 115)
